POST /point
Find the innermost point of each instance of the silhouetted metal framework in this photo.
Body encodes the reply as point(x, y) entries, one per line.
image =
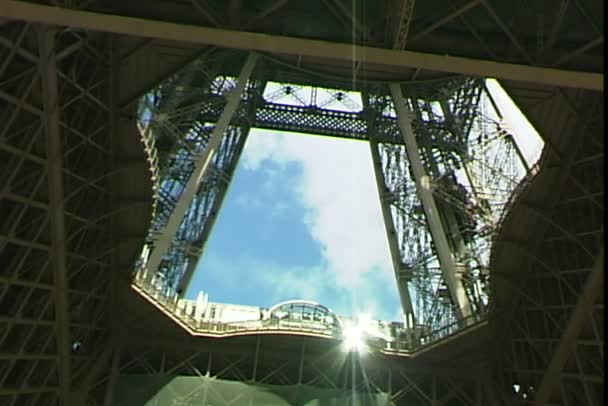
point(554, 350)
point(313, 371)
point(77, 196)
point(55, 246)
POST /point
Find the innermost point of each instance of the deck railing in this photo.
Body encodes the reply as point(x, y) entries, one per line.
point(406, 342)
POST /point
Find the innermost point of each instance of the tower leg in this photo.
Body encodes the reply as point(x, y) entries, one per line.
point(202, 165)
point(389, 224)
point(51, 120)
point(451, 273)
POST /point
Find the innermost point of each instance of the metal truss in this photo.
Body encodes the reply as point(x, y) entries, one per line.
point(459, 144)
point(556, 336)
point(314, 110)
point(299, 108)
point(190, 192)
point(399, 15)
point(499, 64)
point(453, 132)
point(299, 372)
point(55, 153)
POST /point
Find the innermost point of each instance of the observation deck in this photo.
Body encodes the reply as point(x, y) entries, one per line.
point(309, 320)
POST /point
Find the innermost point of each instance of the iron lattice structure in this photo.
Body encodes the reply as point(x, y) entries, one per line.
point(459, 143)
point(562, 289)
point(81, 183)
point(56, 161)
point(265, 377)
point(177, 126)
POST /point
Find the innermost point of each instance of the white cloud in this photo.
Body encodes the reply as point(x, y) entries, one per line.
point(296, 283)
point(275, 282)
point(261, 146)
point(337, 187)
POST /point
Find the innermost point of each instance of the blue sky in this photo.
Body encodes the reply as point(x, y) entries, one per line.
point(302, 220)
point(298, 223)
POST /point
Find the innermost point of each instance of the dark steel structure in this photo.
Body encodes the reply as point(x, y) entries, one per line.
point(121, 124)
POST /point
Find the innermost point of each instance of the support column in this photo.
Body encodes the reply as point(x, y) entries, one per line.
point(592, 290)
point(185, 280)
point(391, 235)
point(57, 253)
point(445, 108)
point(202, 164)
point(520, 155)
point(387, 217)
point(458, 244)
point(109, 395)
point(450, 271)
point(300, 372)
point(256, 356)
point(463, 251)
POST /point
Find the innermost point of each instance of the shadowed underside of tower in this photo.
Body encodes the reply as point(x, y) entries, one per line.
point(79, 191)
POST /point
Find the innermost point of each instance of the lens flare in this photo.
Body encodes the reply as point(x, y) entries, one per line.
point(354, 335)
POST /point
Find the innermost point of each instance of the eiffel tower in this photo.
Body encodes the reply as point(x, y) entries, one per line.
point(122, 123)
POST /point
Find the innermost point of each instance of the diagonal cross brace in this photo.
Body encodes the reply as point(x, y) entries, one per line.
point(331, 51)
point(591, 291)
point(449, 268)
point(202, 165)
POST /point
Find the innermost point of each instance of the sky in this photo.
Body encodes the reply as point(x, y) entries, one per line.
point(524, 133)
point(302, 220)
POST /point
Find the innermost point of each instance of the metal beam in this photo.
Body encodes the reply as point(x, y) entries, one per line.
point(391, 236)
point(507, 31)
point(451, 224)
point(591, 44)
point(560, 12)
point(380, 58)
point(114, 372)
point(48, 68)
point(340, 17)
point(402, 24)
point(202, 164)
point(264, 13)
point(184, 283)
point(591, 291)
point(204, 9)
point(449, 268)
point(445, 19)
point(355, 24)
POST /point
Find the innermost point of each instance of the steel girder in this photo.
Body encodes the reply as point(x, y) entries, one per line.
point(304, 116)
point(48, 66)
point(55, 237)
point(555, 340)
point(398, 24)
point(296, 370)
point(447, 151)
point(176, 122)
point(451, 271)
point(387, 59)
